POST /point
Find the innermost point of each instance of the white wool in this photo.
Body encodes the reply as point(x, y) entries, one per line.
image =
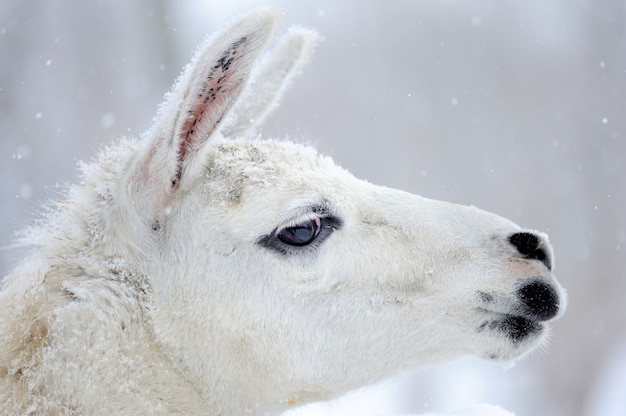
point(166, 281)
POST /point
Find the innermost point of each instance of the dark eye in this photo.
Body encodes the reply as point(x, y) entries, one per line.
point(301, 234)
point(302, 238)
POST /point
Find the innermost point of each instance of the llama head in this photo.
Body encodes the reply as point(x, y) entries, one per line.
point(277, 274)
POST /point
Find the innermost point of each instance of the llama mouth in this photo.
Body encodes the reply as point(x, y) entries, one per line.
point(516, 327)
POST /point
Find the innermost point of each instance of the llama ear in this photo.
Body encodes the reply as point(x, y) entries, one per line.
point(201, 98)
point(270, 79)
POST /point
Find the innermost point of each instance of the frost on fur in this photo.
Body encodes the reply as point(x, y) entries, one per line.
point(201, 270)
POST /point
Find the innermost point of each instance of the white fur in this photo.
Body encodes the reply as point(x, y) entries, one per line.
point(159, 286)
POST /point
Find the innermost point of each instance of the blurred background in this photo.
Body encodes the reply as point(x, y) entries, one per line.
point(517, 107)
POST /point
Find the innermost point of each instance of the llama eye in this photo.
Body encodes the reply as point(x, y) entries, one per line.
point(301, 234)
point(303, 237)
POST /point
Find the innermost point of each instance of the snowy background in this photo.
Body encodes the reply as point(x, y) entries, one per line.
point(516, 107)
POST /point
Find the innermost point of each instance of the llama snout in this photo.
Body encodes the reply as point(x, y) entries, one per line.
point(538, 299)
point(534, 298)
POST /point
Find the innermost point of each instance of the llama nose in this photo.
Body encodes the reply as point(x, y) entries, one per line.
point(531, 246)
point(539, 300)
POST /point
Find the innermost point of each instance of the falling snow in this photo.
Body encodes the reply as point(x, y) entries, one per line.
point(56, 109)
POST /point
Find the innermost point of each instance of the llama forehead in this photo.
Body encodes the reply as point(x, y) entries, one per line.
point(268, 158)
point(254, 167)
point(273, 177)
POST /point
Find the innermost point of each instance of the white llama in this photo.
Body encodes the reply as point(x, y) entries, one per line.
point(199, 270)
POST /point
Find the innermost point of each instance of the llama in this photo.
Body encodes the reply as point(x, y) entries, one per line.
point(201, 270)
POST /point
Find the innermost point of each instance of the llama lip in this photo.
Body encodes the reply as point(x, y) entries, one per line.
point(516, 327)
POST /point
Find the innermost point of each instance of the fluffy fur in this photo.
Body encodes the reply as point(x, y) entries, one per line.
point(164, 283)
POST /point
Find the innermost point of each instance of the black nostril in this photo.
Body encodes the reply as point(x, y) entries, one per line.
point(540, 300)
point(531, 247)
point(526, 243)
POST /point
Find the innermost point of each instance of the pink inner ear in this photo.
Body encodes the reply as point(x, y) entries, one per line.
point(209, 96)
point(211, 101)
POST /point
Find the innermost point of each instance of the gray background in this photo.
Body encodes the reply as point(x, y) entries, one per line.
point(515, 107)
